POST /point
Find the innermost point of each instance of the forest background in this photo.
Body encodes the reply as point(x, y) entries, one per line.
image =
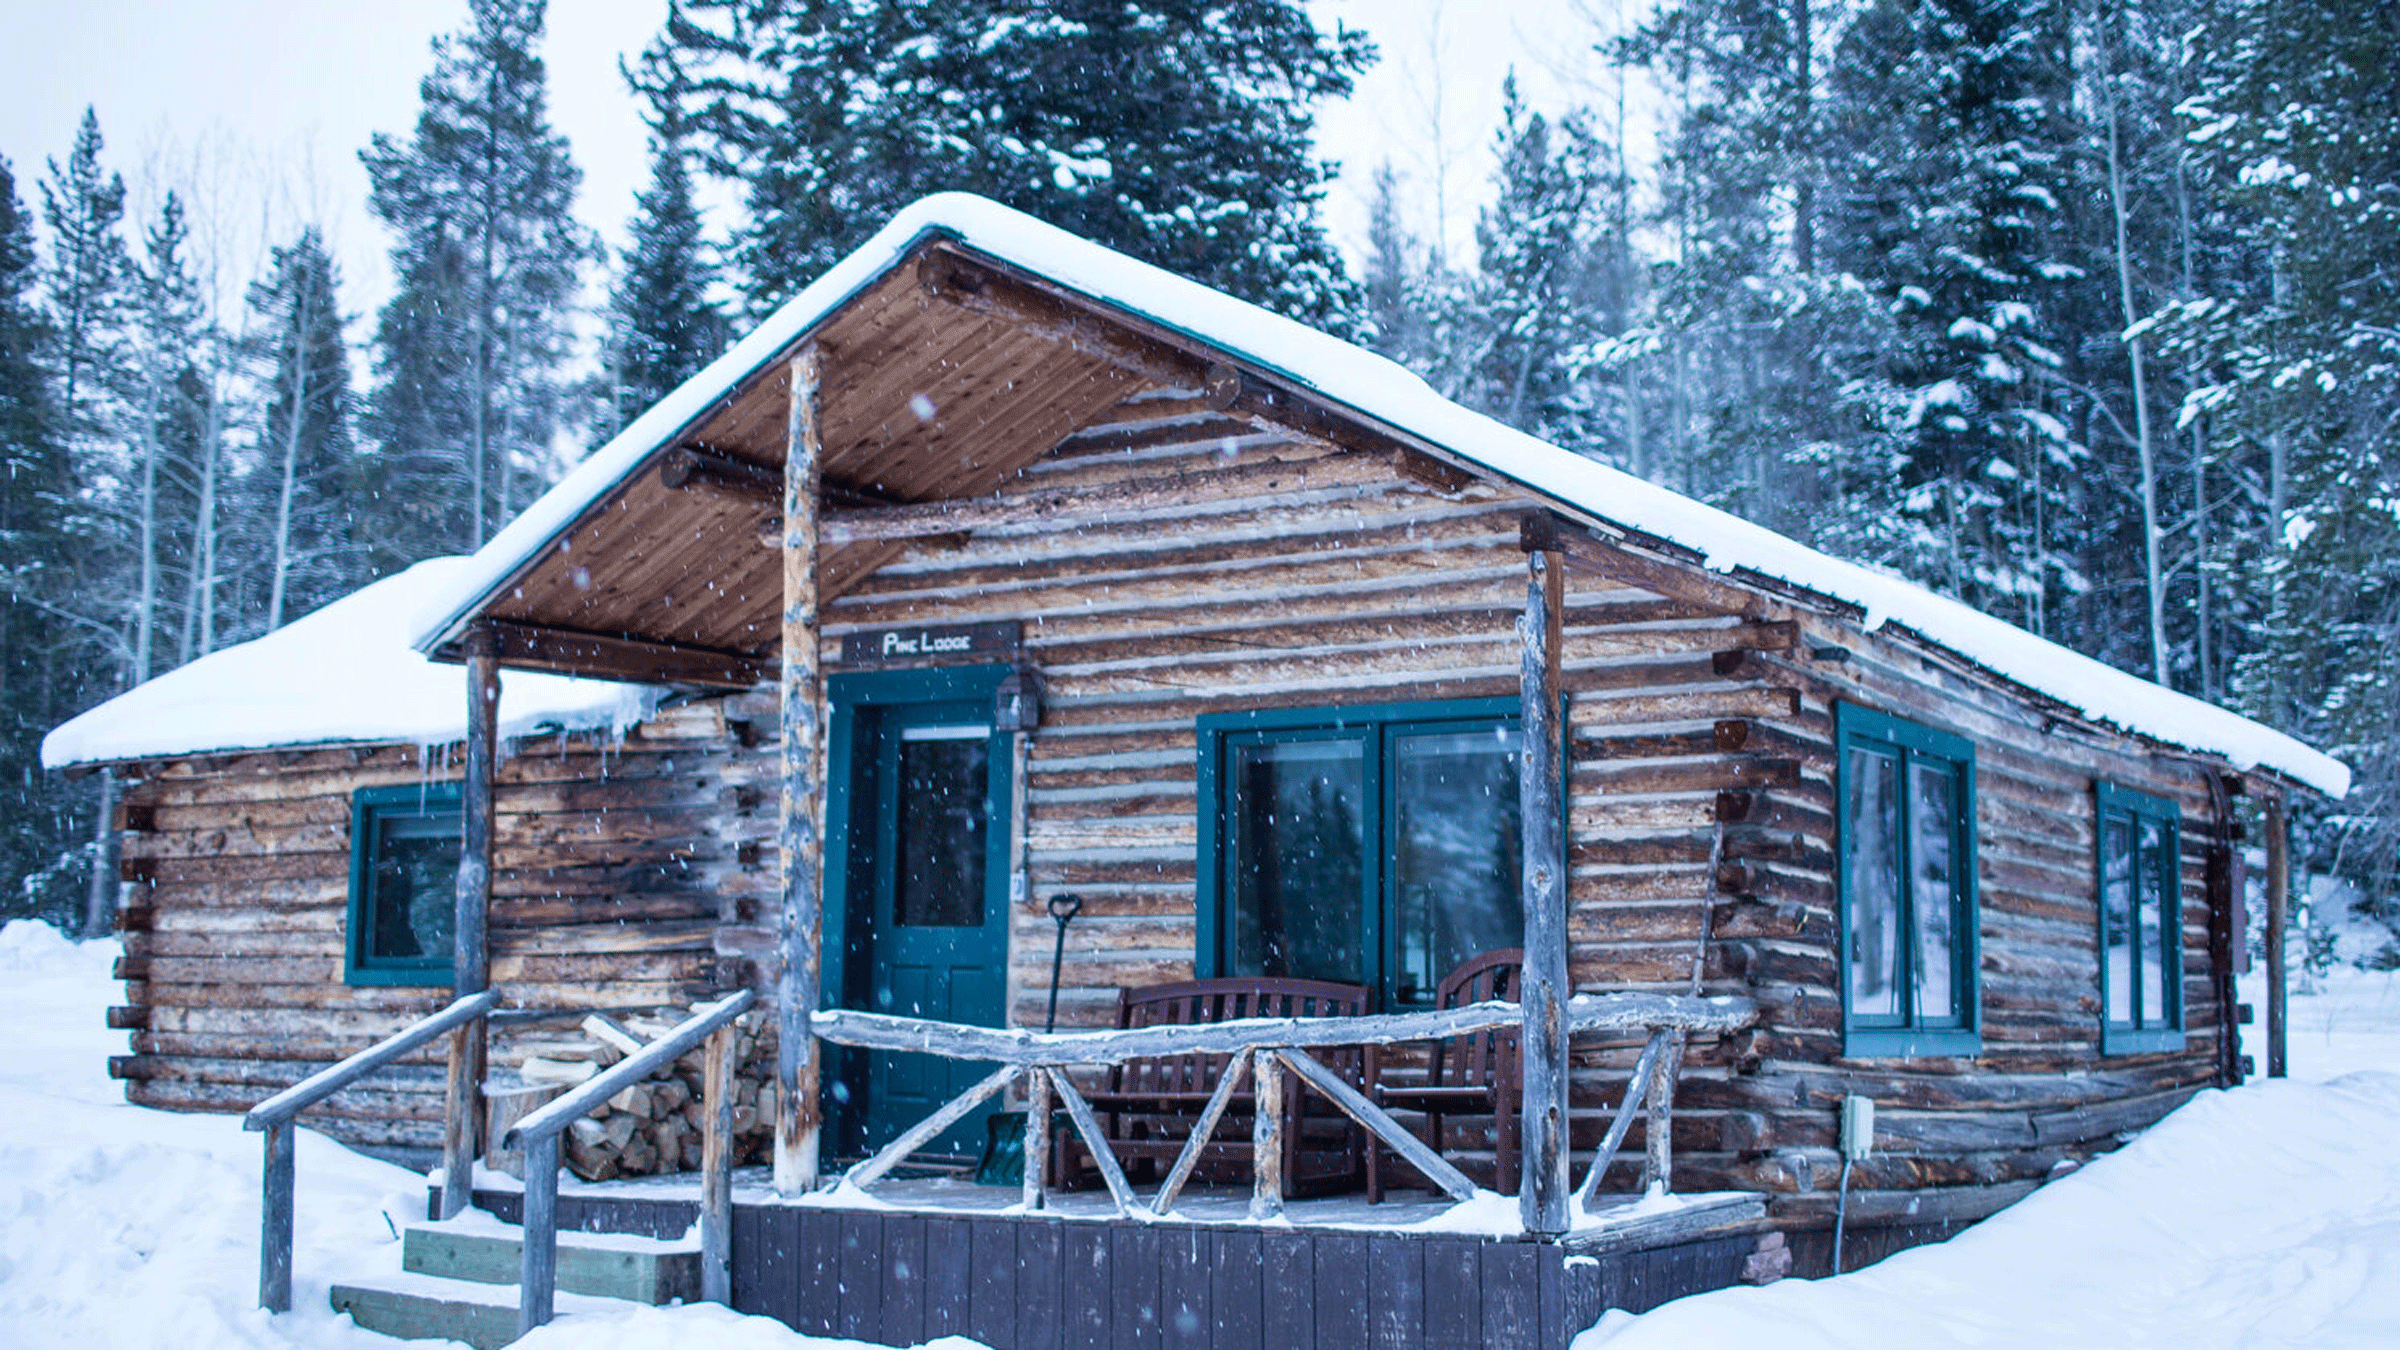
point(2086, 313)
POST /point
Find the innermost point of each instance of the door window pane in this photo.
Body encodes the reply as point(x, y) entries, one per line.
point(1933, 818)
point(944, 774)
point(1871, 780)
point(1298, 818)
point(2116, 919)
point(1457, 860)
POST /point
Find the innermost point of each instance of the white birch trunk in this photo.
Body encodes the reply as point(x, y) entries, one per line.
point(293, 425)
point(2152, 577)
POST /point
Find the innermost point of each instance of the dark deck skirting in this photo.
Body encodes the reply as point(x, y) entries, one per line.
point(1036, 1283)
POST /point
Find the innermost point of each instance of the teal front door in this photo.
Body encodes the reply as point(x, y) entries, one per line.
point(927, 901)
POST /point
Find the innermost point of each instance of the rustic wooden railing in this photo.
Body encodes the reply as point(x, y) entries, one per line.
point(275, 1117)
point(1264, 1048)
point(537, 1134)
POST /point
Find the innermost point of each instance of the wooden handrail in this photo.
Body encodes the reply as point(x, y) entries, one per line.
point(1265, 1045)
point(325, 1082)
point(1018, 1046)
point(537, 1133)
point(274, 1116)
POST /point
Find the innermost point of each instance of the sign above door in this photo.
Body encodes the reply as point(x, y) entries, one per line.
point(888, 646)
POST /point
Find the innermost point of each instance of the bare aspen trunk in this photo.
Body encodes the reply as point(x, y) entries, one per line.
point(291, 474)
point(293, 426)
point(145, 602)
point(2152, 577)
point(100, 901)
point(204, 531)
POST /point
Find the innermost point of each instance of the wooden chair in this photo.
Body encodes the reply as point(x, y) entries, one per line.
point(1149, 1106)
point(1476, 1074)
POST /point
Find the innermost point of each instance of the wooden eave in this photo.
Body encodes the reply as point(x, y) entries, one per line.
point(942, 381)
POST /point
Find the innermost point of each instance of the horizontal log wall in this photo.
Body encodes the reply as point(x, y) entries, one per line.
point(639, 873)
point(1956, 1137)
point(1378, 588)
point(618, 861)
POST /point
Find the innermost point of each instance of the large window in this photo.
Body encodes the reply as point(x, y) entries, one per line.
point(1374, 846)
point(2141, 960)
point(404, 845)
point(1905, 796)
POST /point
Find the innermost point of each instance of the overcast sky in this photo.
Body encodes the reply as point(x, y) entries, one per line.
point(262, 105)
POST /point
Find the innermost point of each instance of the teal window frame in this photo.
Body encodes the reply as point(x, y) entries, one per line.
point(1376, 726)
point(2143, 1034)
point(369, 808)
point(1908, 742)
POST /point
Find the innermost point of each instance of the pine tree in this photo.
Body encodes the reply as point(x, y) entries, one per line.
point(487, 256)
point(1752, 379)
point(84, 208)
point(33, 473)
point(2298, 121)
point(663, 324)
point(1540, 293)
point(1174, 130)
point(168, 405)
point(37, 827)
point(1948, 175)
point(308, 457)
point(1392, 310)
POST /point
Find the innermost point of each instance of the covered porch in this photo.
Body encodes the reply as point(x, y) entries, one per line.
point(910, 422)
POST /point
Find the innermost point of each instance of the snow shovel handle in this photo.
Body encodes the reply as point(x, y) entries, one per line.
point(1064, 908)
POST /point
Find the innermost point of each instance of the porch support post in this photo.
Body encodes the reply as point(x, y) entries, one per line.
point(802, 834)
point(471, 967)
point(2279, 915)
point(1541, 786)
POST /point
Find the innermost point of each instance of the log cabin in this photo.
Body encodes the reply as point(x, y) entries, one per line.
point(997, 570)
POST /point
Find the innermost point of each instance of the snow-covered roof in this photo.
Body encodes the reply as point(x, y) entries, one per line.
point(1383, 392)
point(344, 674)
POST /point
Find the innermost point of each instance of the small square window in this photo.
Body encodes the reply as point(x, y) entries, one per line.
point(2141, 952)
point(404, 851)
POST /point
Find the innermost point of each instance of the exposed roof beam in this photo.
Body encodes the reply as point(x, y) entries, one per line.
point(569, 651)
point(697, 469)
point(995, 294)
point(1174, 494)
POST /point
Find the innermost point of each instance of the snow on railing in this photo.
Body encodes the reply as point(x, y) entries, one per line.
point(275, 1116)
point(1263, 1048)
point(538, 1132)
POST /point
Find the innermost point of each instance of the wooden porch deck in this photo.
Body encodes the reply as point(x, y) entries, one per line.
point(928, 1257)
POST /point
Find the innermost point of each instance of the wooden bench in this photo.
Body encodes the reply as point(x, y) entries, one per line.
point(1148, 1107)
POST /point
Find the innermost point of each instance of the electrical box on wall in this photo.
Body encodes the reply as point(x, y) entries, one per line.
point(1858, 1127)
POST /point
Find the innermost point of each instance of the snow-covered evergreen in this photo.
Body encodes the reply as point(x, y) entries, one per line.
point(663, 322)
point(470, 351)
point(1175, 130)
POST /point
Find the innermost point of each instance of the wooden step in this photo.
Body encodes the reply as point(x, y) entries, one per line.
point(422, 1308)
point(478, 1248)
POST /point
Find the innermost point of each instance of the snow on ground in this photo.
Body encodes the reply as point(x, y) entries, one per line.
point(2264, 1216)
point(126, 1227)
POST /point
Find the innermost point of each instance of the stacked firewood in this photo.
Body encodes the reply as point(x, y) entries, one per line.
point(655, 1125)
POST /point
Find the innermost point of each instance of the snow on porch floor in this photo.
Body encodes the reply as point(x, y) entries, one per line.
point(1404, 1211)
